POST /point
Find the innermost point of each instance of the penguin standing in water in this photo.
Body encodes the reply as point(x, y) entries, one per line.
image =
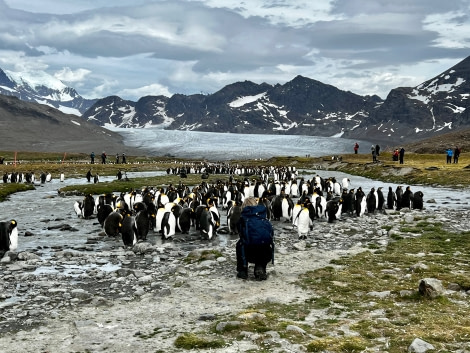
point(128, 230)
point(407, 198)
point(8, 236)
point(391, 199)
point(88, 206)
point(88, 175)
point(418, 200)
point(371, 201)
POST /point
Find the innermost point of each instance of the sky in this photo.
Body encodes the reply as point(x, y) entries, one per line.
point(135, 48)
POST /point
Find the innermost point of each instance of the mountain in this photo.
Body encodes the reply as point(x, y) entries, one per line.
point(301, 106)
point(432, 108)
point(306, 107)
point(42, 88)
point(27, 126)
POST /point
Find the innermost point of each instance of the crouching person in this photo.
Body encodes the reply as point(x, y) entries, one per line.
point(256, 243)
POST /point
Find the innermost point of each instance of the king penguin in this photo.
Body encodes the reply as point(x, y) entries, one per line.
point(8, 236)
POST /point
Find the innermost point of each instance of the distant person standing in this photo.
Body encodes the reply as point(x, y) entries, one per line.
point(456, 155)
point(402, 155)
point(449, 153)
point(117, 158)
point(356, 148)
point(377, 150)
point(395, 155)
point(103, 157)
point(123, 158)
point(92, 158)
point(374, 154)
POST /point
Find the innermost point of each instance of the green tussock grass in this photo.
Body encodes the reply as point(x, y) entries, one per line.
point(353, 320)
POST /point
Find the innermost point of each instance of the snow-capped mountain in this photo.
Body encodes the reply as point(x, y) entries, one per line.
point(434, 107)
point(42, 88)
point(301, 106)
point(306, 107)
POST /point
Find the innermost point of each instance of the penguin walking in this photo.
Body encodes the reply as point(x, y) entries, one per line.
point(8, 236)
point(103, 211)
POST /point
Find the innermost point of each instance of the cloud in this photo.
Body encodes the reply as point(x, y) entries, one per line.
point(188, 46)
point(68, 75)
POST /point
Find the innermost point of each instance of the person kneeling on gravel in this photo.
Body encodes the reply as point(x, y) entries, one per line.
point(256, 243)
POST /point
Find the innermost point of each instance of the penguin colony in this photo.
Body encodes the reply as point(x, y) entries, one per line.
point(178, 209)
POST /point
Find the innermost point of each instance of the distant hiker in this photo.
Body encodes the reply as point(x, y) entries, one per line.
point(449, 153)
point(395, 155)
point(356, 148)
point(103, 158)
point(117, 158)
point(123, 158)
point(456, 155)
point(374, 154)
point(402, 155)
point(377, 150)
point(92, 157)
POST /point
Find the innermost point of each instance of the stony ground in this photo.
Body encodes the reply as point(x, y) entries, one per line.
point(141, 299)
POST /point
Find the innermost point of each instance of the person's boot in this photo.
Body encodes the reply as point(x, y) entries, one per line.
point(243, 274)
point(260, 273)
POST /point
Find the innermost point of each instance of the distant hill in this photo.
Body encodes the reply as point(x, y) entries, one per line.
point(439, 143)
point(26, 126)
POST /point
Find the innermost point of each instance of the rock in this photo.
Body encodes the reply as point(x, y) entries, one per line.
point(221, 326)
point(296, 329)
point(431, 287)
point(419, 346)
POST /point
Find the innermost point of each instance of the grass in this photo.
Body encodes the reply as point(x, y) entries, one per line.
point(355, 321)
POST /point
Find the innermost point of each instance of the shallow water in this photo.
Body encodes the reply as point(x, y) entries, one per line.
point(43, 212)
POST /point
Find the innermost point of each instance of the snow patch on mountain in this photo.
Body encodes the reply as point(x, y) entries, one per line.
point(36, 79)
point(241, 101)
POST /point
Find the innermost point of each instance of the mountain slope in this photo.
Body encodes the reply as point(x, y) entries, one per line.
point(42, 88)
point(432, 108)
point(26, 126)
point(302, 106)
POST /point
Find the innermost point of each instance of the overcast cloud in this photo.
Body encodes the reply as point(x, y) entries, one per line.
point(134, 48)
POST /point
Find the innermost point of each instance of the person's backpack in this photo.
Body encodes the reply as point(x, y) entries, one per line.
point(255, 227)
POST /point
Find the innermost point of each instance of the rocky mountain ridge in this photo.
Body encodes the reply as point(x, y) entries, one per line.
point(302, 106)
point(42, 88)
